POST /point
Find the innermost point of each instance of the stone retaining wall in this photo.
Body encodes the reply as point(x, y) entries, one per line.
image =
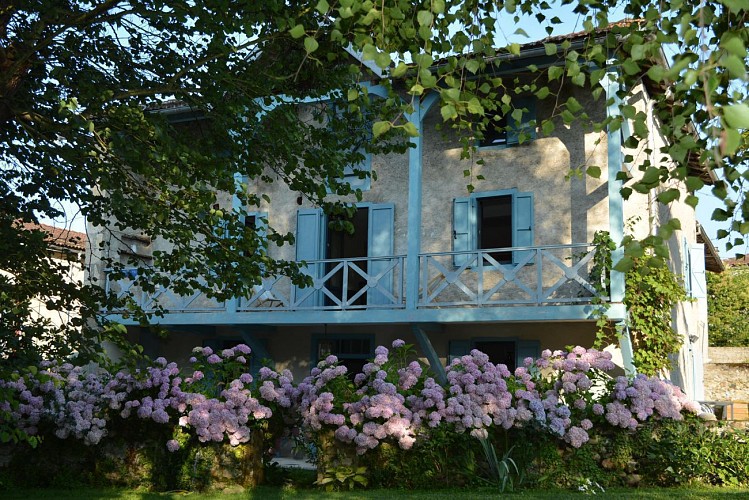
point(727, 374)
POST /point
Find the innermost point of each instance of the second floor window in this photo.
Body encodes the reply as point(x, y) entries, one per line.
point(489, 220)
point(513, 127)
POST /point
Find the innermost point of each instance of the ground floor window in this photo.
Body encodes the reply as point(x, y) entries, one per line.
point(501, 350)
point(352, 351)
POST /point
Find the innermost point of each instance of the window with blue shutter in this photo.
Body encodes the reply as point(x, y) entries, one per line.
point(356, 175)
point(494, 219)
point(457, 349)
point(312, 243)
point(510, 352)
point(516, 127)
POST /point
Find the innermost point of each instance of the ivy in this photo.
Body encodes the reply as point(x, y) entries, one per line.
point(650, 294)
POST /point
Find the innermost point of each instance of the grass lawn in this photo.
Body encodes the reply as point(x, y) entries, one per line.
point(271, 493)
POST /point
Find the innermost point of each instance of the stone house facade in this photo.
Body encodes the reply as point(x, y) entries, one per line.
point(507, 268)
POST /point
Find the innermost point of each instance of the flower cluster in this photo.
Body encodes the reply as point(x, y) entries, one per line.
point(214, 401)
point(563, 393)
point(566, 394)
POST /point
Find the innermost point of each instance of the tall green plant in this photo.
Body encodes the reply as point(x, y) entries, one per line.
point(651, 292)
point(650, 295)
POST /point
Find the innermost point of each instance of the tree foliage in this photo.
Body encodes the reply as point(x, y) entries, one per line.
point(728, 307)
point(77, 80)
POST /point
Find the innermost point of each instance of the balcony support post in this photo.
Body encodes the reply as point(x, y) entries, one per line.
point(616, 214)
point(431, 354)
point(415, 155)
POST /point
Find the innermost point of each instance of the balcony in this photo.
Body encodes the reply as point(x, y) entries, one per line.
point(374, 289)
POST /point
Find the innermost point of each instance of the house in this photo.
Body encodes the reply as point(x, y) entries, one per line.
point(67, 249)
point(507, 268)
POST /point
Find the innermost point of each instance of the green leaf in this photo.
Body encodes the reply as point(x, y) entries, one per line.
point(594, 171)
point(473, 65)
point(353, 94)
point(310, 44)
point(475, 107)
point(380, 128)
point(548, 127)
point(669, 195)
point(297, 31)
point(448, 112)
point(382, 59)
point(550, 48)
point(322, 7)
point(399, 70)
point(625, 264)
point(736, 115)
point(555, 72)
point(424, 18)
point(652, 175)
point(411, 129)
point(573, 105)
point(694, 183)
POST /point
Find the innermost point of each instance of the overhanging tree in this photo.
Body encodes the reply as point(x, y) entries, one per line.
point(77, 80)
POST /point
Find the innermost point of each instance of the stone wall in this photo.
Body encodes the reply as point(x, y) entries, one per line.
point(727, 374)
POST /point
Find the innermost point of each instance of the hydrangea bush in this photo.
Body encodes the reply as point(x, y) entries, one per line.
point(394, 401)
point(213, 399)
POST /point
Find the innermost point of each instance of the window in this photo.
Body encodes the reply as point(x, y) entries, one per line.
point(351, 174)
point(511, 129)
point(495, 219)
point(510, 352)
point(373, 237)
point(352, 351)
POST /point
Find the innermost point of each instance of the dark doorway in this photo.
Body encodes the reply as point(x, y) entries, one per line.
point(499, 352)
point(495, 225)
point(342, 245)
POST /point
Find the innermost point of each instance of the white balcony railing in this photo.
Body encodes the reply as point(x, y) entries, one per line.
point(548, 275)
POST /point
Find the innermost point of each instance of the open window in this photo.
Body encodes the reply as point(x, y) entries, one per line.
point(494, 219)
point(373, 237)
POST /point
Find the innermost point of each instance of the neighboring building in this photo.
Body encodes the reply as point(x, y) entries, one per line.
point(506, 269)
point(68, 248)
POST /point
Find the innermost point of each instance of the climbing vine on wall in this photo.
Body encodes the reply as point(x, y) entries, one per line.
point(650, 294)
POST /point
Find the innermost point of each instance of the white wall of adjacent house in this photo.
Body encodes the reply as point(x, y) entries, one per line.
point(644, 214)
point(73, 264)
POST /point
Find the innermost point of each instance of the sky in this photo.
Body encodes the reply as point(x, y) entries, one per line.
point(571, 22)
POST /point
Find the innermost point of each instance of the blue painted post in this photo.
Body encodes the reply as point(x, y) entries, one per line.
point(414, 201)
point(428, 349)
point(616, 215)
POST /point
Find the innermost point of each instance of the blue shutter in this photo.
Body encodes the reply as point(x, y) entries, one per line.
point(380, 245)
point(697, 271)
point(522, 213)
point(464, 229)
point(526, 125)
point(687, 257)
point(527, 349)
point(309, 238)
point(353, 179)
point(457, 349)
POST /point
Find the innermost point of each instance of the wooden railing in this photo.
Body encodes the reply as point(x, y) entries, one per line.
point(548, 275)
point(558, 274)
